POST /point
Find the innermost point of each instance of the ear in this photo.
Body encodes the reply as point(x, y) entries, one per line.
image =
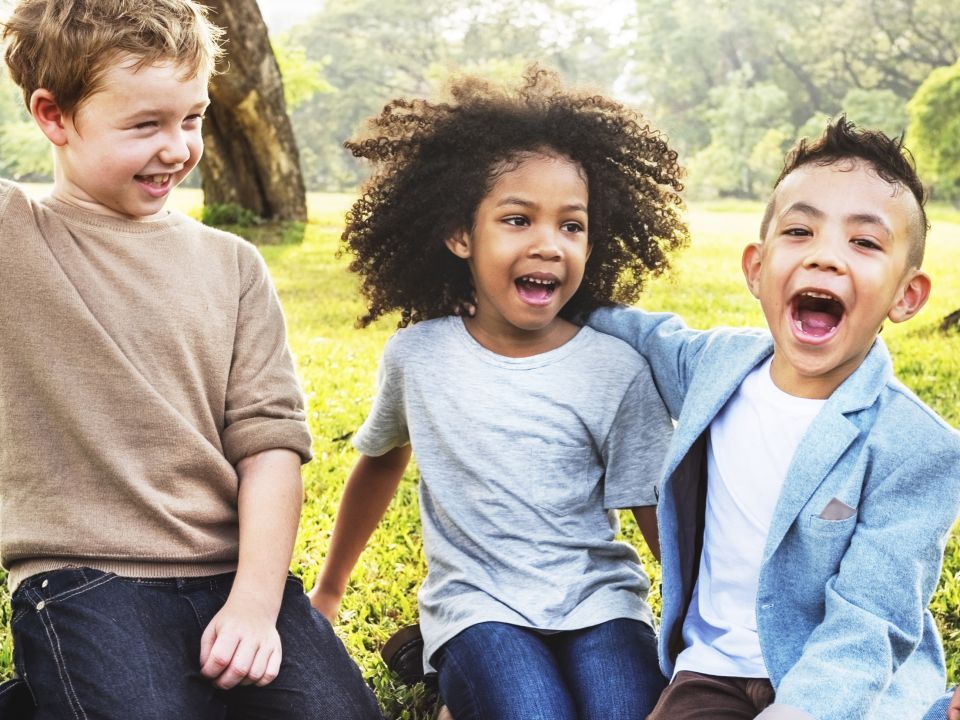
point(459, 244)
point(913, 296)
point(751, 262)
point(48, 116)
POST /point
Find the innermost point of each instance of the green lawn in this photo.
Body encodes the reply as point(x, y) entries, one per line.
point(337, 364)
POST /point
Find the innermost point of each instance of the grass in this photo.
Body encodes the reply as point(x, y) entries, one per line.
point(337, 364)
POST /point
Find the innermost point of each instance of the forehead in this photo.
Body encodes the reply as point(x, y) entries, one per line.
point(130, 82)
point(539, 172)
point(845, 191)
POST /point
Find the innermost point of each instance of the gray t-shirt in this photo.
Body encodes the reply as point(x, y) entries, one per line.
point(522, 461)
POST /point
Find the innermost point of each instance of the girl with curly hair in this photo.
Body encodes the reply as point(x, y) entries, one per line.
point(533, 207)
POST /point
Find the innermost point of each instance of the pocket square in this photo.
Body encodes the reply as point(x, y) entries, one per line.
point(837, 510)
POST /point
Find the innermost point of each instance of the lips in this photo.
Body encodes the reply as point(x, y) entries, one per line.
point(816, 314)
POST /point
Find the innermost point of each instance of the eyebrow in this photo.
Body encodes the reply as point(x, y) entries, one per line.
point(512, 200)
point(855, 218)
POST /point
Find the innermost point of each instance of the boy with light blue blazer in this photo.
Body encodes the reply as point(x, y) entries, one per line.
point(807, 495)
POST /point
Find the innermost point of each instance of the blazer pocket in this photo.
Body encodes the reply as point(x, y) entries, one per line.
point(831, 528)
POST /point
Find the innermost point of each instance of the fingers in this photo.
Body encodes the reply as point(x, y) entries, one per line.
point(230, 660)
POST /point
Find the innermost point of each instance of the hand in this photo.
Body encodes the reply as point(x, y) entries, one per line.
point(953, 712)
point(326, 602)
point(241, 645)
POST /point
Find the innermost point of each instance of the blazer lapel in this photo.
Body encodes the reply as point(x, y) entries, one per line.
point(826, 440)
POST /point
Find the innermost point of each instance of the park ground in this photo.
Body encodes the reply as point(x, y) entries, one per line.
point(337, 363)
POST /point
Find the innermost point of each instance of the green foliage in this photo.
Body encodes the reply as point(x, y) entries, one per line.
point(229, 214)
point(878, 109)
point(371, 51)
point(302, 78)
point(934, 132)
point(747, 140)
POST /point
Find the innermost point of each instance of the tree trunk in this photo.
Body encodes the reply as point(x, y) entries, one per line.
point(251, 156)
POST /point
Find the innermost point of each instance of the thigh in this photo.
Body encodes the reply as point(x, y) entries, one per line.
point(317, 680)
point(612, 669)
point(692, 696)
point(495, 671)
point(92, 645)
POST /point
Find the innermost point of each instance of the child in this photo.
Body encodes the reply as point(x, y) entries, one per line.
point(151, 425)
point(807, 495)
point(528, 430)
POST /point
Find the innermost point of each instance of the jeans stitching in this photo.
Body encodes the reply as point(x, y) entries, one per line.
point(54, 641)
point(72, 592)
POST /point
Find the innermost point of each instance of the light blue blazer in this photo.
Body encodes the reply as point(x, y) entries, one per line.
point(842, 604)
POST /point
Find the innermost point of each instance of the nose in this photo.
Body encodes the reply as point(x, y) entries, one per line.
point(176, 148)
point(546, 245)
point(825, 254)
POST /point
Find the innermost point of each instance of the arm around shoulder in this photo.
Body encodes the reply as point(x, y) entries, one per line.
point(668, 345)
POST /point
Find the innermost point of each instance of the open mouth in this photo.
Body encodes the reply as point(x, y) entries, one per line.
point(816, 314)
point(157, 181)
point(536, 290)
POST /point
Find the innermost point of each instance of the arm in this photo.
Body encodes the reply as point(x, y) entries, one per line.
point(646, 518)
point(241, 644)
point(371, 486)
point(663, 339)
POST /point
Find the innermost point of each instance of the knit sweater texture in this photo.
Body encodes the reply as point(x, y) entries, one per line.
point(139, 362)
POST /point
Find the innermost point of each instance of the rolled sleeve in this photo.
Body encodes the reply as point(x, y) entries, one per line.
point(265, 407)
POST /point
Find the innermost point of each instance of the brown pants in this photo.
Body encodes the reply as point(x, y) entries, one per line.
point(692, 696)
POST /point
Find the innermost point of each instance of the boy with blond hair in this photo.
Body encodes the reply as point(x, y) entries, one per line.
point(151, 424)
point(807, 495)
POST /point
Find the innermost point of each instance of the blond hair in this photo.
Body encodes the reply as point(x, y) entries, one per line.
point(66, 46)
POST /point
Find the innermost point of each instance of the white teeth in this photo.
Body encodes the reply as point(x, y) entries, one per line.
point(537, 281)
point(823, 296)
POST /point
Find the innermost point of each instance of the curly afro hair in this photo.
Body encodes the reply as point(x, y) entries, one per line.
point(436, 162)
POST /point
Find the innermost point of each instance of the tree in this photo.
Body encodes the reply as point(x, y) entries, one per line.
point(251, 156)
point(371, 51)
point(934, 132)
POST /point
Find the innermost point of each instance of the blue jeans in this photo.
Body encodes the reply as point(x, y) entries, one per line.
point(96, 646)
point(495, 671)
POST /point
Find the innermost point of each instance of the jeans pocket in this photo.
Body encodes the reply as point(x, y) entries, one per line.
point(57, 586)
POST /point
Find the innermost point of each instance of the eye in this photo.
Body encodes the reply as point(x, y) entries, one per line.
point(194, 119)
point(866, 243)
point(572, 227)
point(516, 220)
point(797, 231)
point(146, 125)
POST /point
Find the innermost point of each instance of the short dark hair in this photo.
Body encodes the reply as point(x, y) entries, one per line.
point(842, 140)
point(437, 161)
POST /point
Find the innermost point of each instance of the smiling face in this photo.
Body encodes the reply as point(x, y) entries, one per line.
point(832, 267)
point(130, 143)
point(527, 251)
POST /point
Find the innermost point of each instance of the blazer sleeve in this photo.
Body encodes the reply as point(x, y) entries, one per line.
point(669, 346)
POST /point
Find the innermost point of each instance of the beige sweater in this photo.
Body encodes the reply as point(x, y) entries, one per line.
point(139, 362)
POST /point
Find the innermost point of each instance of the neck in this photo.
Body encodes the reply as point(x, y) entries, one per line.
point(511, 341)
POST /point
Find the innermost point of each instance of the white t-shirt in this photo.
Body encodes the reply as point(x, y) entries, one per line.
point(751, 445)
